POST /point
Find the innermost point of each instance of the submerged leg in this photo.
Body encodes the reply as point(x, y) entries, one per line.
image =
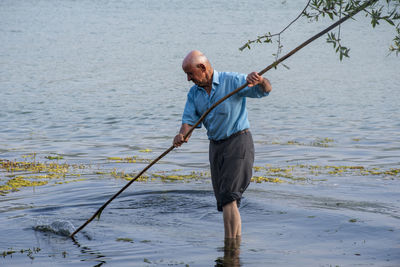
point(232, 220)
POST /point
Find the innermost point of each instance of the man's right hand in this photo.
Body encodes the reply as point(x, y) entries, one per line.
point(178, 140)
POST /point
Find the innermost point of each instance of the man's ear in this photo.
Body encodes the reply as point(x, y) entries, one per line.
point(202, 67)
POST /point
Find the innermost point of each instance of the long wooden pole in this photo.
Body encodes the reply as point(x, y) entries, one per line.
point(276, 63)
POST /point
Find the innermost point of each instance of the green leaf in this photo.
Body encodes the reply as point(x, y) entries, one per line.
point(389, 21)
point(99, 214)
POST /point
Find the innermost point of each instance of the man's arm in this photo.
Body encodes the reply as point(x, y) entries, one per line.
point(178, 140)
point(255, 79)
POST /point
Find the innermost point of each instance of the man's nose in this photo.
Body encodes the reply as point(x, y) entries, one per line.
point(189, 78)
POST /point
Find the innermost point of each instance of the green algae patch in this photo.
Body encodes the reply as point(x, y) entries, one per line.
point(275, 175)
point(133, 159)
point(300, 173)
point(146, 150)
point(318, 142)
point(34, 167)
point(128, 177)
point(163, 176)
point(312, 173)
point(174, 176)
point(54, 157)
point(29, 252)
point(71, 181)
point(350, 170)
point(261, 179)
point(325, 142)
point(15, 183)
point(32, 173)
point(124, 239)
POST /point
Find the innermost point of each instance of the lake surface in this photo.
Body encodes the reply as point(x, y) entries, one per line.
point(91, 91)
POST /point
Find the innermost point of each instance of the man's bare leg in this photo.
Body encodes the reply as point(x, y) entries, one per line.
point(232, 220)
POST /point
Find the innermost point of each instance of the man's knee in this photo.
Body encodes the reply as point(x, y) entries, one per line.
point(233, 204)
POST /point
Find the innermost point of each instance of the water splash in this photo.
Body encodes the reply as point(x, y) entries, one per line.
point(59, 227)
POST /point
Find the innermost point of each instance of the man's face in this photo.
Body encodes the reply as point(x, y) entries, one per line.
point(196, 74)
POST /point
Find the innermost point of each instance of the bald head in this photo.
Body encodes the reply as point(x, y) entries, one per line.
point(194, 58)
point(198, 69)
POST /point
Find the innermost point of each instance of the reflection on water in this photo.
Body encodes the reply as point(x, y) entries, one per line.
point(90, 255)
point(231, 256)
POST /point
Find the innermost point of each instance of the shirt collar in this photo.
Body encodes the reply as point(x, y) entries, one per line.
point(216, 77)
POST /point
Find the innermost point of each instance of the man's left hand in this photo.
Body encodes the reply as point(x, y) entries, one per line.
point(254, 79)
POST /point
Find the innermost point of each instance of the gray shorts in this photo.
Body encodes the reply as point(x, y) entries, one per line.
point(231, 163)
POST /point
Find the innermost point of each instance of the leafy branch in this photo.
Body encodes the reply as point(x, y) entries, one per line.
point(384, 10)
point(396, 45)
point(267, 38)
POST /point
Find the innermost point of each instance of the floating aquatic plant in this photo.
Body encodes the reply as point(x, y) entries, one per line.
point(71, 181)
point(128, 177)
point(124, 239)
point(54, 157)
point(310, 173)
point(260, 179)
point(163, 176)
point(318, 142)
point(29, 252)
point(15, 183)
point(133, 159)
point(193, 176)
point(325, 142)
point(33, 173)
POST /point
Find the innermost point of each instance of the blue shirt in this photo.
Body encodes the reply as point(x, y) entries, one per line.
point(228, 117)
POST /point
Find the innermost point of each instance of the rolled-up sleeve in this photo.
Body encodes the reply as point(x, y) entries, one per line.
point(253, 92)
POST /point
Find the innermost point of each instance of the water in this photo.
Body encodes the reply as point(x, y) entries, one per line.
point(90, 81)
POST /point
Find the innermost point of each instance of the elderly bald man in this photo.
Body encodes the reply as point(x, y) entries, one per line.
point(231, 149)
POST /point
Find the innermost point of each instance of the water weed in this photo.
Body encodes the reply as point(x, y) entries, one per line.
point(318, 142)
point(29, 252)
point(32, 173)
point(312, 173)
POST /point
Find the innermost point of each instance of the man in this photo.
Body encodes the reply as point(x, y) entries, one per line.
point(231, 149)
